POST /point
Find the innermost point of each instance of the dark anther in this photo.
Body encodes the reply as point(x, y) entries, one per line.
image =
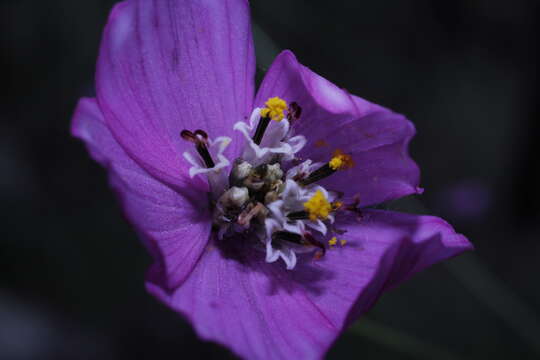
point(194, 137)
point(312, 241)
point(298, 215)
point(188, 136)
point(320, 173)
point(287, 236)
point(200, 139)
point(261, 128)
point(294, 113)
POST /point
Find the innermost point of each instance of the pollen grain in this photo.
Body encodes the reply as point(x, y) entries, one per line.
point(275, 109)
point(341, 161)
point(318, 206)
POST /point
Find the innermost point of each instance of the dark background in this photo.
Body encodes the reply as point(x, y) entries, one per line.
point(464, 71)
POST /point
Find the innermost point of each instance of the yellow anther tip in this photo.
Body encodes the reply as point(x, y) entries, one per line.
point(336, 163)
point(332, 241)
point(337, 205)
point(341, 161)
point(318, 206)
point(343, 242)
point(275, 109)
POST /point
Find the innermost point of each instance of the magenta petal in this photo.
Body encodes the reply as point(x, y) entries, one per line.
point(173, 228)
point(333, 119)
point(262, 311)
point(255, 310)
point(89, 125)
point(170, 65)
point(383, 249)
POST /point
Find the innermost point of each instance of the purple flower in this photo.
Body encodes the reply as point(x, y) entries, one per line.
point(255, 207)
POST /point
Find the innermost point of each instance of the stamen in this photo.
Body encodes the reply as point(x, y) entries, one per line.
point(339, 161)
point(259, 197)
point(318, 206)
point(261, 128)
point(274, 110)
point(319, 174)
point(298, 215)
point(312, 241)
point(287, 236)
point(200, 139)
point(306, 240)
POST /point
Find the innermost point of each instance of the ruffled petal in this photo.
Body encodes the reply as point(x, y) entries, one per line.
point(331, 119)
point(174, 227)
point(263, 311)
point(170, 65)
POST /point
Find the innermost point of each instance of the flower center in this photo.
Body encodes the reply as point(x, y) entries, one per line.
point(268, 194)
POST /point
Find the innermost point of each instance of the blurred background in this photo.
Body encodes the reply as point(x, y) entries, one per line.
point(465, 72)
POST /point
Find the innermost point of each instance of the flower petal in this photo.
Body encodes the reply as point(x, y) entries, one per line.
point(170, 65)
point(263, 311)
point(174, 227)
point(382, 250)
point(331, 119)
point(252, 309)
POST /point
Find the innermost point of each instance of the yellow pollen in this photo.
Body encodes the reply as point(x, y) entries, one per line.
point(275, 108)
point(341, 161)
point(343, 242)
point(332, 241)
point(318, 206)
point(336, 205)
